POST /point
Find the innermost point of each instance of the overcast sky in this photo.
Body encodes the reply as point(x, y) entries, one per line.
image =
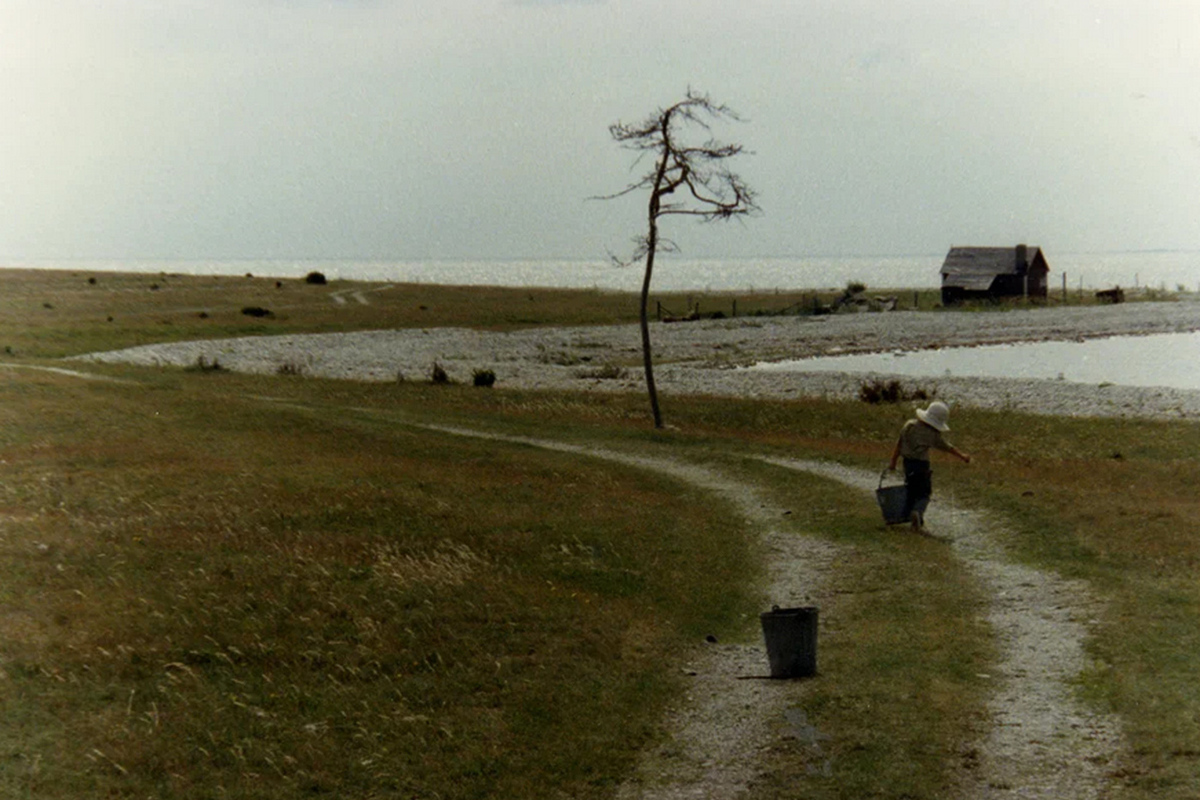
point(395, 129)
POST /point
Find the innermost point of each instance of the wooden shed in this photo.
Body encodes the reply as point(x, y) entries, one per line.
point(989, 273)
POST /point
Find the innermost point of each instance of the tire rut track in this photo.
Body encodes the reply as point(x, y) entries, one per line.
point(717, 736)
point(1042, 742)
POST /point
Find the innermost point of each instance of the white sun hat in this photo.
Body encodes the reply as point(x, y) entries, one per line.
point(937, 416)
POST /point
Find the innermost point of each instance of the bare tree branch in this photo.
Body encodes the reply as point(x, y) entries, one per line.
point(706, 188)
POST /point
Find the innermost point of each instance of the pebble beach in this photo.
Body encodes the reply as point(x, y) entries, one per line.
point(706, 356)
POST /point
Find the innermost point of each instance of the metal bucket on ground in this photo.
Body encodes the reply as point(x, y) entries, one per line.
point(892, 500)
point(791, 637)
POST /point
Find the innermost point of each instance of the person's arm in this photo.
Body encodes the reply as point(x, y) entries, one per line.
point(959, 454)
point(895, 456)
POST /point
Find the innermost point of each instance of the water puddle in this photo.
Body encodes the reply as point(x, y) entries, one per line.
point(1165, 359)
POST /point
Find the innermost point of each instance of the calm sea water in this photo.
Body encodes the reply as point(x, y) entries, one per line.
point(1160, 270)
point(1167, 359)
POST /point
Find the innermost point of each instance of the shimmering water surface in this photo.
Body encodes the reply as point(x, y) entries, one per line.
point(1167, 359)
point(1159, 270)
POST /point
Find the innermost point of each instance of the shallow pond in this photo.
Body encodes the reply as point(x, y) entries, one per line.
point(1166, 359)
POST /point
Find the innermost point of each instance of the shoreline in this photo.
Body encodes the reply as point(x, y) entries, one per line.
point(700, 357)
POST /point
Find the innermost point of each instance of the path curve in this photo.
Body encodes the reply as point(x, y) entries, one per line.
point(1042, 741)
point(719, 734)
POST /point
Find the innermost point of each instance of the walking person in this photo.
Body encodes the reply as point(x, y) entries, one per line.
point(917, 438)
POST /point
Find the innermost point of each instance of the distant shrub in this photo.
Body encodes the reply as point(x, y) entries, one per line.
point(606, 372)
point(485, 378)
point(204, 365)
point(560, 358)
point(315, 278)
point(438, 374)
point(877, 391)
point(257, 311)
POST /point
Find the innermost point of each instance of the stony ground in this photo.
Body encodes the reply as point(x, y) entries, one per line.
point(702, 357)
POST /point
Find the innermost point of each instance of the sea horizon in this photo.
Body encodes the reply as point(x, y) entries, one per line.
point(1159, 269)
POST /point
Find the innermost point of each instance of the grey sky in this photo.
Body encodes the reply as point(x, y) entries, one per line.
point(478, 128)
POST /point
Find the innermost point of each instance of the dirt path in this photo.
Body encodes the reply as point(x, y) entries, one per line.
point(718, 733)
point(1041, 742)
point(359, 295)
point(87, 376)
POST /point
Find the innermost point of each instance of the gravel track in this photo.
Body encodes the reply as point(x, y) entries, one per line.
point(1042, 742)
point(718, 734)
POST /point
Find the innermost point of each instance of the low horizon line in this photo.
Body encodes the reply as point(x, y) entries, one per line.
point(499, 259)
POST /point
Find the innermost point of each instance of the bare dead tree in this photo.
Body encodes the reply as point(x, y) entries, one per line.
point(685, 180)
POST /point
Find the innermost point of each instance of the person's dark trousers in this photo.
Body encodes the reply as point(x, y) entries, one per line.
point(918, 478)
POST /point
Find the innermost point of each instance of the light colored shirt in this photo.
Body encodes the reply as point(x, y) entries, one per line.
point(916, 439)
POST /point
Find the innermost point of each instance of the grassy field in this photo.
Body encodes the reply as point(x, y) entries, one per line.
point(219, 585)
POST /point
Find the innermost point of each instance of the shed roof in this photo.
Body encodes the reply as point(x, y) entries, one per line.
point(987, 260)
point(971, 282)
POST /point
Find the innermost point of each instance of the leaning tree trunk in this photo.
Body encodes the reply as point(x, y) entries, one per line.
point(647, 360)
point(651, 247)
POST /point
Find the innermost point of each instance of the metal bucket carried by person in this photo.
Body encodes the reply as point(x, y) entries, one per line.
point(892, 500)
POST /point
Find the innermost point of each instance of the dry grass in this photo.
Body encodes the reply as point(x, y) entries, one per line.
point(263, 602)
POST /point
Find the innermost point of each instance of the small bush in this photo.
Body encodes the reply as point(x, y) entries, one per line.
point(257, 311)
point(877, 391)
point(438, 375)
point(606, 372)
point(485, 378)
point(559, 358)
point(204, 365)
point(315, 278)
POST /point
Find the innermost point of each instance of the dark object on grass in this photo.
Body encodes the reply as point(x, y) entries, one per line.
point(315, 278)
point(438, 375)
point(485, 378)
point(791, 637)
point(204, 365)
point(877, 391)
point(257, 311)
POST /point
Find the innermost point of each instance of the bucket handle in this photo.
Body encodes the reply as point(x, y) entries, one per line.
point(883, 475)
